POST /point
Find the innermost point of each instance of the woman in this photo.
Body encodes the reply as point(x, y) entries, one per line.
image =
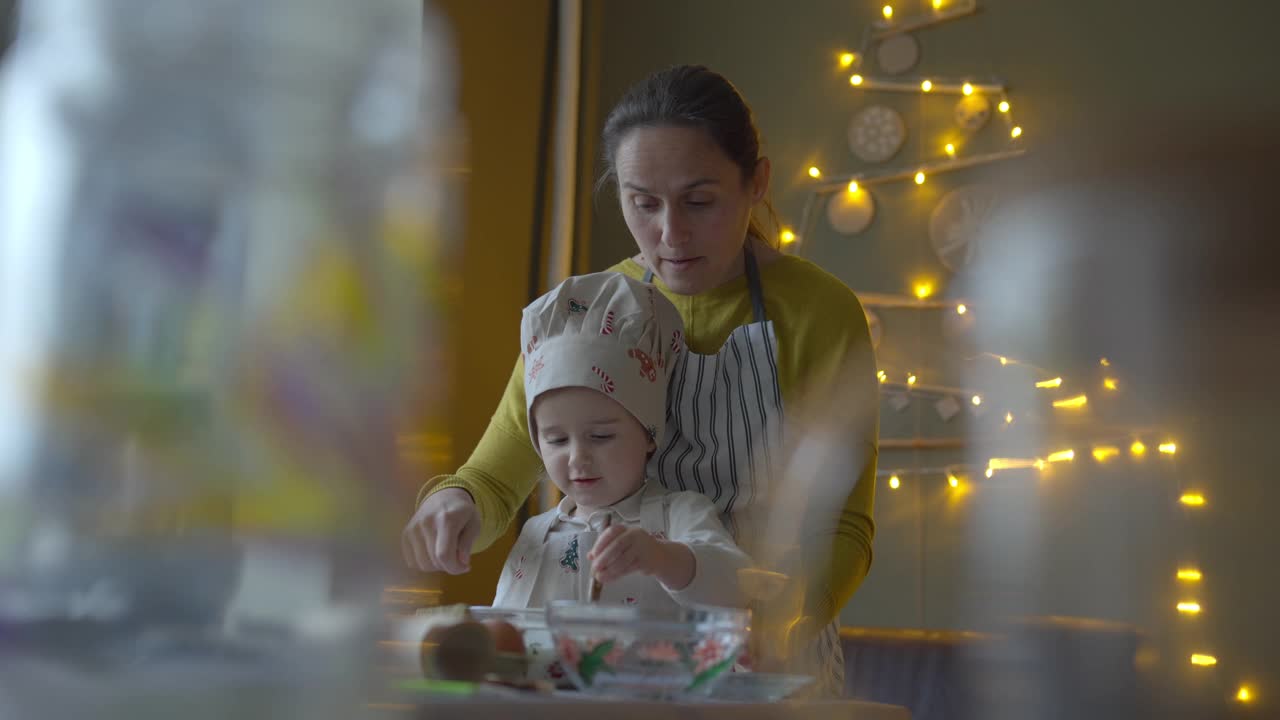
point(761, 328)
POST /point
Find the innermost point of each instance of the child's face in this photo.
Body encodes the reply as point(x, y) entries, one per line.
point(595, 451)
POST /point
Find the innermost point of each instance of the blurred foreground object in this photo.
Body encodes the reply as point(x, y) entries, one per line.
point(216, 240)
point(791, 534)
point(1146, 255)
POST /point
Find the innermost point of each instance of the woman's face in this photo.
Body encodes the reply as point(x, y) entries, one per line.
point(686, 204)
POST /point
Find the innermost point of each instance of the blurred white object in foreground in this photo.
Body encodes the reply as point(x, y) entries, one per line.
point(215, 243)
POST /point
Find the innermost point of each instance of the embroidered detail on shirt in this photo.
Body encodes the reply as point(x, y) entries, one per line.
point(569, 560)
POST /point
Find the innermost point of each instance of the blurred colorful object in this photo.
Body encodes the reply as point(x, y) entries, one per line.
point(217, 231)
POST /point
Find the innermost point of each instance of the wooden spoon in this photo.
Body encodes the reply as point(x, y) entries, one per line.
point(596, 586)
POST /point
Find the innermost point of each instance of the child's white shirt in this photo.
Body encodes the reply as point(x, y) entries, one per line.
point(549, 560)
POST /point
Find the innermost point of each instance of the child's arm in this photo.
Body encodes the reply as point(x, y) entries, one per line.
point(622, 550)
point(694, 521)
point(699, 563)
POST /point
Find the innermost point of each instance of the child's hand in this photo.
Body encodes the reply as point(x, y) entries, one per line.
point(622, 550)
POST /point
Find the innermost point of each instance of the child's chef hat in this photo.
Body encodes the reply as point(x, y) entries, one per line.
point(608, 332)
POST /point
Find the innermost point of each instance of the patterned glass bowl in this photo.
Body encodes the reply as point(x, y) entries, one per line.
point(648, 653)
point(538, 647)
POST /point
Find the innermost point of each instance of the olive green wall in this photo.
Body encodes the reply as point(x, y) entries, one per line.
point(1086, 79)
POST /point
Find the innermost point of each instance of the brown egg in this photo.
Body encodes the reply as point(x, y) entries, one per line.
point(436, 633)
point(506, 637)
point(462, 651)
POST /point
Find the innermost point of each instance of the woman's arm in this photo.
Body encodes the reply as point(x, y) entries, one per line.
point(502, 470)
point(829, 376)
point(845, 540)
point(849, 558)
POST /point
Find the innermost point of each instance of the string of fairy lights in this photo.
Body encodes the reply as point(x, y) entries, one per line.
point(949, 156)
point(1103, 449)
point(901, 386)
point(1062, 396)
point(1135, 446)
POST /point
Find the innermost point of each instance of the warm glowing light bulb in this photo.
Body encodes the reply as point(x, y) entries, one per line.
point(998, 463)
point(894, 482)
point(1168, 448)
point(961, 309)
point(1004, 360)
point(853, 186)
point(951, 149)
point(927, 85)
point(953, 481)
point(787, 237)
point(855, 79)
point(967, 89)
point(1078, 401)
point(1192, 499)
point(1004, 106)
point(1008, 418)
point(882, 375)
point(1055, 382)
point(1016, 132)
point(846, 59)
point(937, 4)
point(1203, 660)
point(1189, 608)
point(1103, 453)
point(920, 178)
point(923, 289)
point(814, 172)
point(1244, 694)
point(888, 12)
point(976, 400)
point(911, 379)
point(1189, 575)
point(990, 472)
point(1062, 456)
point(1105, 362)
point(1110, 383)
point(1137, 449)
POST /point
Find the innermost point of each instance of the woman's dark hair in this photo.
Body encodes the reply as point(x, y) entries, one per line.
point(688, 96)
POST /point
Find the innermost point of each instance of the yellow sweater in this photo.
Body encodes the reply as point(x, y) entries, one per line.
point(822, 338)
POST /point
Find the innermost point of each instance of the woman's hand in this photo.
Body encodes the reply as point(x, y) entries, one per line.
point(622, 550)
point(440, 535)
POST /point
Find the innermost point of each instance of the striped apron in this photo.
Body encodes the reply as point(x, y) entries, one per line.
point(724, 425)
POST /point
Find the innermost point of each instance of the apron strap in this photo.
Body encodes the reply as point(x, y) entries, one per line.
point(754, 286)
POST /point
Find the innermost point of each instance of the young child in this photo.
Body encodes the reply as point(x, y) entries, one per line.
point(598, 352)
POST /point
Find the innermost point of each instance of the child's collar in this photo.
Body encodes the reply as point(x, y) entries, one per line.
point(626, 510)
